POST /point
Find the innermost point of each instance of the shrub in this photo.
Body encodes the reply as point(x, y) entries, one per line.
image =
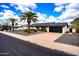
point(5, 27)
point(26, 30)
point(77, 30)
point(43, 30)
point(31, 30)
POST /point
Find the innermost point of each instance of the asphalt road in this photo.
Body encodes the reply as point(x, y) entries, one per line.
point(10, 46)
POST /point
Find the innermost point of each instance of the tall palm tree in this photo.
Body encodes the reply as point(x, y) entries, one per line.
point(29, 17)
point(12, 20)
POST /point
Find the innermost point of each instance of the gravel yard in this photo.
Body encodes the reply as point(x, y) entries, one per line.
point(71, 39)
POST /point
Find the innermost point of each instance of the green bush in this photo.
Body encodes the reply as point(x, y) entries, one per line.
point(31, 30)
point(43, 30)
point(77, 30)
point(5, 27)
point(26, 30)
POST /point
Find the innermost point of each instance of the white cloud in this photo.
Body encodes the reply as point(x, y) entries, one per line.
point(22, 8)
point(12, 4)
point(41, 17)
point(72, 10)
point(67, 20)
point(67, 13)
point(52, 19)
point(44, 18)
point(60, 4)
point(31, 5)
point(73, 5)
point(8, 14)
point(59, 8)
point(38, 1)
point(4, 6)
point(25, 7)
point(1, 13)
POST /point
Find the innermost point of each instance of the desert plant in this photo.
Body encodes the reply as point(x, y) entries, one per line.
point(29, 17)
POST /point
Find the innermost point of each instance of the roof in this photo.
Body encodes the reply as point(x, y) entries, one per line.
point(49, 24)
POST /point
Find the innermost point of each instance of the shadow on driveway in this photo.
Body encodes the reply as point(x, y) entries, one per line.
point(10, 46)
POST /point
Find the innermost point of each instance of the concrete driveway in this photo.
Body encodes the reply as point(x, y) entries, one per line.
point(46, 40)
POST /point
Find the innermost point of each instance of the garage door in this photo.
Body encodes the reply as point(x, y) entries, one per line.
point(55, 29)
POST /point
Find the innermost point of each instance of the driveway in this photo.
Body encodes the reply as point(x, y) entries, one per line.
point(45, 39)
point(39, 44)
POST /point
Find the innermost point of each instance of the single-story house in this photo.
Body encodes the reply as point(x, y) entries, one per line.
point(51, 27)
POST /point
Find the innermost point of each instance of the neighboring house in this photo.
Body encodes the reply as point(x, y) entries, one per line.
point(51, 27)
point(71, 29)
point(21, 27)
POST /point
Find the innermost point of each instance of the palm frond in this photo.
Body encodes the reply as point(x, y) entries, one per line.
point(29, 16)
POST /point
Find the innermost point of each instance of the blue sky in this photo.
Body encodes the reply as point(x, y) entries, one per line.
point(46, 8)
point(47, 12)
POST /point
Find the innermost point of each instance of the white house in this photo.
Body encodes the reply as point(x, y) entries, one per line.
point(52, 27)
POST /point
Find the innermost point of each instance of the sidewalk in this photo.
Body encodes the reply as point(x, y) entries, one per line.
point(47, 40)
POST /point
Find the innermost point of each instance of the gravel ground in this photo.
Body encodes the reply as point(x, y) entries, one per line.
point(71, 39)
point(25, 33)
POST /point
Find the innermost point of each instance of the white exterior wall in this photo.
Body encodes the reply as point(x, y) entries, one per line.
point(39, 27)
point(33, 28)
point(30, 27)
point(73, 30)
point(24, 27)
point(20, 28)
point(64, 29)
point(47, 29)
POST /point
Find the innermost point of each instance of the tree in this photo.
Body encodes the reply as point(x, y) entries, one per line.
point(75, 24)
point(29, 17)
point(12, 20)
point(5, 27)
point(0, 25)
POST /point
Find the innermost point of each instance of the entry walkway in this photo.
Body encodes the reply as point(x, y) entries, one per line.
point(47, 40)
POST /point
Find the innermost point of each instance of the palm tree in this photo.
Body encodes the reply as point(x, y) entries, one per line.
point(12, 20)
point(29, 17)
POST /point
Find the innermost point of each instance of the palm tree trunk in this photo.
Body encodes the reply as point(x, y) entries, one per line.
point(12, 26)
point(28, 27)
